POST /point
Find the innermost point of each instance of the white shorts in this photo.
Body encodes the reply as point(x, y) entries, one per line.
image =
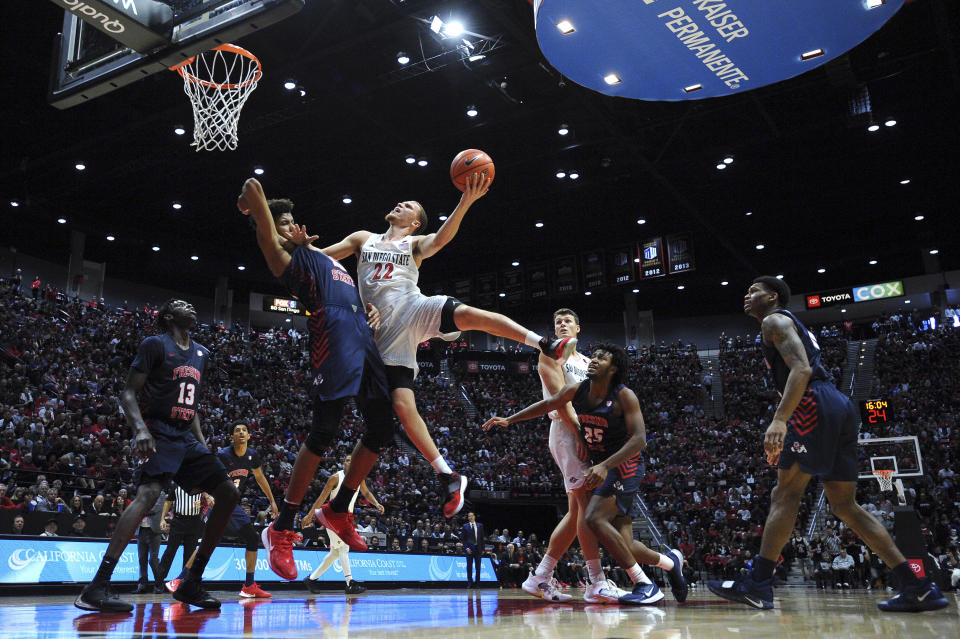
point(335, 542)
point(405, 326)
point(563, 447)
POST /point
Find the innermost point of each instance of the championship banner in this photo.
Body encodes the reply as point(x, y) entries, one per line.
point(537, 281)
point(463, 290)
point(564, 272)
point(680, 253)
point(620, 264)
point(513, 286)
point(592, 264)
point(652, 263)
point(487, 292)
point(44, 560)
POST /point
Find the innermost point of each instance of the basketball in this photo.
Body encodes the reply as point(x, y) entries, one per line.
point(467, 163)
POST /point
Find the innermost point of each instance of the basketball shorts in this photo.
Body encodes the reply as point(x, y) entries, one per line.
point(239, 518)
point(623, 484)
point(563, 447)
point(182, 458)
point(344, 360)
point(335, 542)
point(822, 435)
point(404, 326)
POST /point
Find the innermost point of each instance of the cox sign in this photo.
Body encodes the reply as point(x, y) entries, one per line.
point(877, 291)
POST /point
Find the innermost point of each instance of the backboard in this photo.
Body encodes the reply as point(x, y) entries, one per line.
point(107, 44)
point(899, 454)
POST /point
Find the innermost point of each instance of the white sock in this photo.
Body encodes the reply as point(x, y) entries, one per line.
point(345, 563)
point(440, 465)
point(637, 575)
point(326, 563)
point(595, 571)
point(547, 564)
point(532, 339)
point(665, 562)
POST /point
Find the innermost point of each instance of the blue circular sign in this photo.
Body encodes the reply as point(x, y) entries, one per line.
point(693, 49)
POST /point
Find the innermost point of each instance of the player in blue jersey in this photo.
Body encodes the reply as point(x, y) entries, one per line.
point(612, 424)
point(344, 363)
point(813, 432)
point(167, 373)
point(241, 462)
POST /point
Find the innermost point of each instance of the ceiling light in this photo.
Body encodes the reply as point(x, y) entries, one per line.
point(515, 263)
point(422, 162)
point(873, 4)
point(436, 24)
point(872, 262)
point(640, 220)
point(155, 248)
point(636, 290)
point(258, 170)
point(680, 287)
point(289, 85)
point(918, 218)
point(873, 128)
point(843, 310)
point(80, 166)
point(241, 267)
point(721, 166)
point(410, 159)
point(906, 301)
point(574, 176)
point(539, 225)
point(821, 270)
point(780, 277)
point(61, 220)
point(402, 57)
point(14, 203)
point(724, 283)
point(503, 294)
point(563, 130)
point(748, 213)
point(177, 206)
point(287, 320)
point(303, 93)
point(194, 258)
point(588, 292)
point(728, 160)
point(692, 88)
point(472, 111)
point(110, 238)
point(346, 199)
point(890, 122)
point(179, 130)
point(636, 260)
point(453, 29)
point(561, 175)
point(566, 27)
point(809, 55)
point(760, 247)
point(906, 181)
point(443, 218)
point(934, 251)
point(612, 78)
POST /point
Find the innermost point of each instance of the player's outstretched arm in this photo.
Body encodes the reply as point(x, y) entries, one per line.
point(428, 245)
point(780, 331)
point(350, 245)
point(253, 202)
point(265, 487)
point(327, 489)
point(542, 407)
point(143, 440)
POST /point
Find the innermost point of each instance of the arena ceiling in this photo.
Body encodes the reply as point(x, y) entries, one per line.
point(809, 181)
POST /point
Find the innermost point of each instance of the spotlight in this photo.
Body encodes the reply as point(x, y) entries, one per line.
point(566, 27)
point(724, 283)
point(612, 78)
point(539, 225)
point(436, 24)
point(641, 221)
point(574, 176)
point(872, 262)
point(303, 93)
point(194, 257)
point(179, 130)
point(721, 166)
point(410, 159)
point(873, 128)
point(561, 175)
point(402, 58)
point(290, 85)
point(472, 111)
point(346, 199)
point(636, 290)
point(422, 162)
point(760, 247)
point(748, 213)
point(442, 218)
point(821, 270)
point(780, 277)
point(934, 251)
point(155, 248)
point(563, 130)
point(110, 238)
point(61, 220)
point(80, 166)
point(917, 218)
point(241, 267)
point(680, 287)
point(503, 294)
point(14, 203)
point(258, 170)
point(515, 263)
point(728, 160)
point(636, 260)
point(453, 29)
point(177, 206)
point(890, 122)
point(906, 181)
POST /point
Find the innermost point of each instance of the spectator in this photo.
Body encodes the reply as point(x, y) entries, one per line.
point(16, 528)
point(50, 528)
point(79, 527)
point(843, 573)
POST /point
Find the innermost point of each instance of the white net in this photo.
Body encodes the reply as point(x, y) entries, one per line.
point(885, 478)
point(218, 83)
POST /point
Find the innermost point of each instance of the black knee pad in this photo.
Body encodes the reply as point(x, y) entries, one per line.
point(325, 426)
point(378, 414)
point(447, 323)
point(250, 537)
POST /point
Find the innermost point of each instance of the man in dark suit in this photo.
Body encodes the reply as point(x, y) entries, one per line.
point(472, 535)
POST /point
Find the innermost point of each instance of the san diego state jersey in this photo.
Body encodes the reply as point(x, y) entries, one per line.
point(174, 376)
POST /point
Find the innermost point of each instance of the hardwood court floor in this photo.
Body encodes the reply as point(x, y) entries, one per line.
point(439, 614)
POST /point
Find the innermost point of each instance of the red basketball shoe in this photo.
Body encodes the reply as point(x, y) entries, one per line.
point(279, 546)
point(342, 524)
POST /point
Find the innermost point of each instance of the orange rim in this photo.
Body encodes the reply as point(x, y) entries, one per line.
point(230, 48)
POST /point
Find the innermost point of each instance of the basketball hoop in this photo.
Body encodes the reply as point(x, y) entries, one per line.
point(885, 477)
point(218, 83)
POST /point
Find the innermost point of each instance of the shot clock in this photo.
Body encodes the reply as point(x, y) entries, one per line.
point(874, 411)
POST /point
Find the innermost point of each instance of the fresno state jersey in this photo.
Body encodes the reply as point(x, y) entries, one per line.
point(779, 368)
point(387, 271)
point(239, 467)
point(174, 375)
point(604, 431)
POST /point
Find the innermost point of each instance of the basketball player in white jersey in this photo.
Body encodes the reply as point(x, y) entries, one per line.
point(388, 269)
point(571, 454)
point(338, 548)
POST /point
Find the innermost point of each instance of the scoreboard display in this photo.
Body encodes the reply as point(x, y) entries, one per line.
point(874, 411)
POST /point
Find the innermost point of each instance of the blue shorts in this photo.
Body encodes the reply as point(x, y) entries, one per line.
point(344, 360)
point(239, 518)
point(623, 483)
point(182, 458)
point(822, 435)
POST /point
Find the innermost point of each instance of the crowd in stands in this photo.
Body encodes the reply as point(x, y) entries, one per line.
point(64, 446)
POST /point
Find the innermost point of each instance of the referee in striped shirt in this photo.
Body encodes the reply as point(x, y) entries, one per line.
point(185, 529)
